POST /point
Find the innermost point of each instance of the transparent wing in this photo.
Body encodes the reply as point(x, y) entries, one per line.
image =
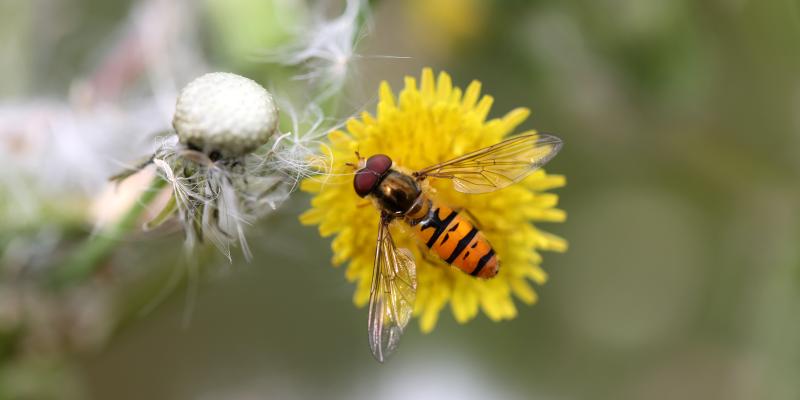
point(495, 167)
point(391, 299)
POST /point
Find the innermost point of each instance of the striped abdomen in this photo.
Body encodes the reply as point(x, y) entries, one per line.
point(456, 241)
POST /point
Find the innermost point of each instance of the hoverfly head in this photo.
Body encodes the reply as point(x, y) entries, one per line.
point(370, 175)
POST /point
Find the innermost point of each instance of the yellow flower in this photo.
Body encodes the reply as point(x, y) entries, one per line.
point(425, 125)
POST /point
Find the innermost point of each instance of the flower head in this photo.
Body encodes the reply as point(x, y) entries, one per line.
point(427, 124)
point(226, 114)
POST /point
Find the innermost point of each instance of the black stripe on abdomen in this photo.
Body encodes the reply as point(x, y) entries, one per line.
point(439, 225)
point(482, 262)
point(462, 244)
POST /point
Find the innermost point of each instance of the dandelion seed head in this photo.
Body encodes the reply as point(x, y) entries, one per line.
point(227, 167)
point(226, 114)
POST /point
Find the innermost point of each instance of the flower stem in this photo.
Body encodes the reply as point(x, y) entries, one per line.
point(89, 256)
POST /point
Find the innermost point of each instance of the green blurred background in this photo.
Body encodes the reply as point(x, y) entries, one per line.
point(682, 128)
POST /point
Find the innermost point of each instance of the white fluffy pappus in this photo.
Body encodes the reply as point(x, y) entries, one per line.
point(323, 48)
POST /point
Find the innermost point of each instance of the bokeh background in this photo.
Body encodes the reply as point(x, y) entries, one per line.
point(682, 127)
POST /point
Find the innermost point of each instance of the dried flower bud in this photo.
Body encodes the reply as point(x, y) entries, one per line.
point(225, 115)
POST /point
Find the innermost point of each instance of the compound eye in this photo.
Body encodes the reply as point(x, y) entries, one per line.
point(379, 163)
point(364, 181)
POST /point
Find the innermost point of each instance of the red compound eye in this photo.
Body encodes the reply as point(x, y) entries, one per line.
point(364, 181)
point(367, 177)
point(379, 163)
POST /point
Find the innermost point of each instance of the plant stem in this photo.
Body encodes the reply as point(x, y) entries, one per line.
point(89, 256)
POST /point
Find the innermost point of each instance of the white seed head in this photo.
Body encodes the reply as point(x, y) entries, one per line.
point(226, 114)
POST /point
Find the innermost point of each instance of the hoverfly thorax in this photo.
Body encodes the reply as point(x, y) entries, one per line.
point(394, 191)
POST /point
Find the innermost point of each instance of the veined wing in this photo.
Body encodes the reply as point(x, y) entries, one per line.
point(495, 167)
point(391, 299)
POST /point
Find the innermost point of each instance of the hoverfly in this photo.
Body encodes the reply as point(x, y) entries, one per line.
point(446, 232)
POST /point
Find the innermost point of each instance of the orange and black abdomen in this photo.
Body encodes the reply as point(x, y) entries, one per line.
point(457, 241)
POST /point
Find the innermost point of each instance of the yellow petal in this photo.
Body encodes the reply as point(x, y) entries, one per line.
point(471, 95)
point(537, 274)
point(514, 118)
point(355, 127)
point(310, 185)
point(541, 183)
point(464, 304)
point(427, 85)
point(311, 217)
point(338, 138)
point(523, 291)
point(410, 84)
point(443, 87)
point(386, 95)
point(430, 316)
point(482, 110)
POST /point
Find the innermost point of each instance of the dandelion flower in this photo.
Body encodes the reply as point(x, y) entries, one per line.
point(427, 124)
